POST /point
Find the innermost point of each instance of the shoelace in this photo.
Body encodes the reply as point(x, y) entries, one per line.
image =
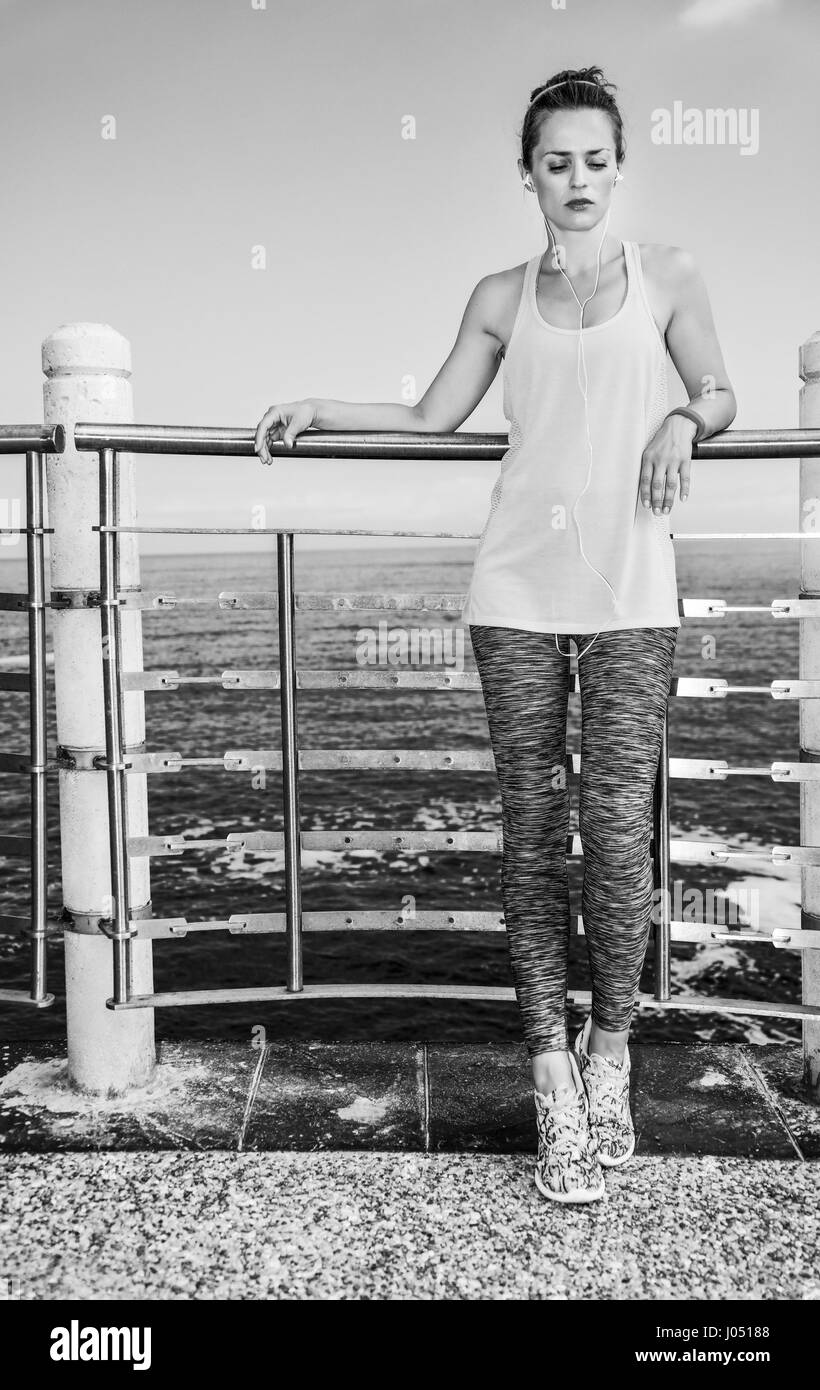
point(565, 1122)
point(611, 1089)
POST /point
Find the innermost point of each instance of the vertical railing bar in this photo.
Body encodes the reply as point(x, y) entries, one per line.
point(290, 759)
point(35, 464)
point(663, 927)
point(120, 706)
point(656, 874)
point(117, 831)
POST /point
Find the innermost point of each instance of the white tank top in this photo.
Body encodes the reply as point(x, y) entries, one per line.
point(529, 571)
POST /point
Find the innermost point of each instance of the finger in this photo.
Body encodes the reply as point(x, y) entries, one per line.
point(658, 489)
point(265, 424)
point(296, 425)
point(646, 484)
point(276, 435)
point(262, 428)
point(669, 491)
point(275, 431)
point(286, 429)
point(684, 475)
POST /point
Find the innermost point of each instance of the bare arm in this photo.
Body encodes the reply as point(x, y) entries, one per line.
point(466, 376)
point(694, 347)
point(460, 384)
point(363, 415)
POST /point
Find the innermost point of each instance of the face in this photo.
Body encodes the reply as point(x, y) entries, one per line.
point(573, 159)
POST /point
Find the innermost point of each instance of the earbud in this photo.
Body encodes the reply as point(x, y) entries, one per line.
point(618, 176)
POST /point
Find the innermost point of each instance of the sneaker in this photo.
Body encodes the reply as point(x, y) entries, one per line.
point(607, 1086)
point(567, 1169)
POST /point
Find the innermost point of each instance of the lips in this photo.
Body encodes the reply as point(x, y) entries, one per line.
point(580, 203)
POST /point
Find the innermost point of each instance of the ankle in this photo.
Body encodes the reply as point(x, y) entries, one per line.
point(552, 1069)
point(608, 1044)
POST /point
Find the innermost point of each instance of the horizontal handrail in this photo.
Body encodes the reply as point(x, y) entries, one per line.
point(485, 994)
point(453, 920)
point(339, 600)
point(38, 439)
point(364, 444)
point(194, 439)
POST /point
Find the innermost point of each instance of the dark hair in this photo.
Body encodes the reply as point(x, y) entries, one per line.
point(573, 91)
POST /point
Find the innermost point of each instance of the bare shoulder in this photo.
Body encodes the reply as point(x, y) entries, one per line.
point(672, 267)
point(670, 274)
point(496, 299)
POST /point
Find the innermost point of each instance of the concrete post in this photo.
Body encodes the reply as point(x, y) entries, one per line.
point(88, 377)
point(809, 669)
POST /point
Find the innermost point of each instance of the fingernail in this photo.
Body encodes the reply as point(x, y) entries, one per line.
point(646, 504)
point(666, 509)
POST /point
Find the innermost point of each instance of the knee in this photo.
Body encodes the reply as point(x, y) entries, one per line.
point(535, 807)
point(615, 831)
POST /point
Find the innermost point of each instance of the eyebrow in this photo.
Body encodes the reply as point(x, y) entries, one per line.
point(602, 149)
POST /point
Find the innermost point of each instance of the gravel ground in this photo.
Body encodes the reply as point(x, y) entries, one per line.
point(353, 1225)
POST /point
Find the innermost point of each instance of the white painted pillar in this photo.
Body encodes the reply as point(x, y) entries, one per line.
point(809, 669)
point(88, 377)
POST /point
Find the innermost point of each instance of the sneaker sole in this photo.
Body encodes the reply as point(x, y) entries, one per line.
point(576, 1195)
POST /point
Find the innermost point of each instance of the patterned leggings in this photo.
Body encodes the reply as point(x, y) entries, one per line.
point(625, 680)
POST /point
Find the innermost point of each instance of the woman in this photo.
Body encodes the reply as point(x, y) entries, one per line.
point(593, 465)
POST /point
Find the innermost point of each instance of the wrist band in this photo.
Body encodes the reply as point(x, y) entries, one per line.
point(691, 415)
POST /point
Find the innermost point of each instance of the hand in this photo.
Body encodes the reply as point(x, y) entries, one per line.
point(667, 458)
point(283, 422)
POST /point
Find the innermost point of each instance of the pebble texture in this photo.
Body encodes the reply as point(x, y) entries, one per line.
point(342, 1225)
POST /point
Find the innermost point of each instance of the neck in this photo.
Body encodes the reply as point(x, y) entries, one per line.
point(580, 248)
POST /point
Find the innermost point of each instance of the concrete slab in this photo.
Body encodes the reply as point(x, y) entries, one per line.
point(686, 1098)
point(701, 1099)
point(480, 1098)
point(780, 1067)
point(308, 1095)
point(376, 1226)
point(197, 1101)
point(318, 1095)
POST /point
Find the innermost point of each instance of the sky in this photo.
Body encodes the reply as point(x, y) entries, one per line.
point(243, 125)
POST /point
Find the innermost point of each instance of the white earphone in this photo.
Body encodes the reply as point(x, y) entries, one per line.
point(581, 359)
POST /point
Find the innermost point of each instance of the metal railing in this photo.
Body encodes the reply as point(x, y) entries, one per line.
point(109, 441)
point(35, 441)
